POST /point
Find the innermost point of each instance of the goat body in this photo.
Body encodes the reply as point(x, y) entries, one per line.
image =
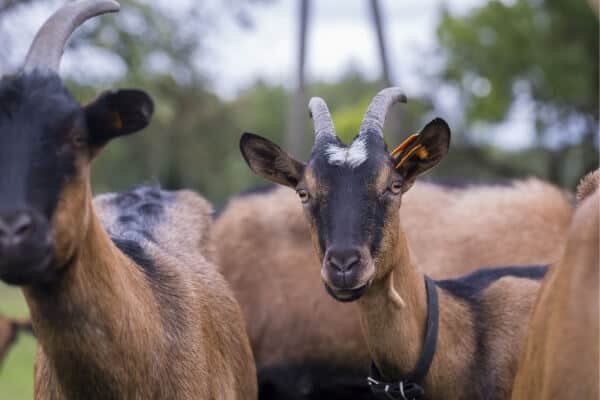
point(151, 320)
point(560, 358)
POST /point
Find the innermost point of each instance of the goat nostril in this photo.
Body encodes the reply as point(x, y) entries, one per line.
point(14, 230)
point(351, 262)
point(343, 262)
point(22, 226)
point(22, 230)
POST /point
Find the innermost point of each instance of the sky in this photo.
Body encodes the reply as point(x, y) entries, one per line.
point(340, 37)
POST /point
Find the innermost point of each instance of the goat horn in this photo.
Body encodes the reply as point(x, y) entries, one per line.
point(378, 109)
point(321, 117)
point(48, 44)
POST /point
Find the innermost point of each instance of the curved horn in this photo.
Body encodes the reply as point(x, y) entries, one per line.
point(48, 44)
point(378, 109)
point(321, 117)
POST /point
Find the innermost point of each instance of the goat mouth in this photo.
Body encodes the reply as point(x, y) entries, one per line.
point(347, 295)
point(28, 271)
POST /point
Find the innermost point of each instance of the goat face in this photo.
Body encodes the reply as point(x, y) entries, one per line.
point(351, 194)
point(46, 143)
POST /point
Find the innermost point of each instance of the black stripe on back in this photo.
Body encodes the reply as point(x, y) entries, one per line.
point(469, 286)
point(136, 253)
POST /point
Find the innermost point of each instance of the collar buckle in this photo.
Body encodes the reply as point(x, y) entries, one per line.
point(395, 391)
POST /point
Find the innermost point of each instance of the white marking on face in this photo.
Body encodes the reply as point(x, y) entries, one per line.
point(352, 156)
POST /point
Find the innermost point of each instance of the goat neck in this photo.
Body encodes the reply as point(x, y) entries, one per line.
point(393, 315)
point(100, 300)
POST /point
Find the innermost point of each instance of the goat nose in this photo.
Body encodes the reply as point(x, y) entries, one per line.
point(343, 260)
point(15, 228)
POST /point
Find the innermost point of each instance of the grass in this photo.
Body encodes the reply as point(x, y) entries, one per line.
point(16, 374)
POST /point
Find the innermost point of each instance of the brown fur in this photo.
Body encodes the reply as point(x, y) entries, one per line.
point(109, 329)
point(264, 251)
point(560, 359)
point(588, 185)
point(477, 349)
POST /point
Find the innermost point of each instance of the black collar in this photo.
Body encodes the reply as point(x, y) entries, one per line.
point(409, 386)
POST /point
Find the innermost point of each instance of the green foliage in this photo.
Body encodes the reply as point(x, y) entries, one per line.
point(546, 50)
point(550, 45)
point(16, 374)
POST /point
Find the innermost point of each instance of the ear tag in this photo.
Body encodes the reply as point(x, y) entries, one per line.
point(418, 150)
point(116, 122)
point(422, 153)
point(404, 144)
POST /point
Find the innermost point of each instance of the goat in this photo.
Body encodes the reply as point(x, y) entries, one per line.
point(560, 358)
point(121, 299)
point(9, 330)
point(291, 321)
point(351, 197)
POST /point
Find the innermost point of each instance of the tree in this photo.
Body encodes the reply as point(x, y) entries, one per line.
point(544, 50)
point(297, 124)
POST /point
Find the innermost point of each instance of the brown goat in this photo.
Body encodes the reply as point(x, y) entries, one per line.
point(9, 331)
point(297, 330)
point(295, 326)
point(351, 196)
point(560, 358)
point(122, 300)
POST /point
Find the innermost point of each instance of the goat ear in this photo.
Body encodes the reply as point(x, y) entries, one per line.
point(422, 151)
point(268, 160)
point(117, 113)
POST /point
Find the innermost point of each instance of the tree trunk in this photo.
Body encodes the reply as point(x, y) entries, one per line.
point(296, 134)
point(394, 116)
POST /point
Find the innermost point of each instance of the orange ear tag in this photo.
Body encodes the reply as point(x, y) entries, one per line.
point(117, 123)
point(404, 144)
point(419, 149)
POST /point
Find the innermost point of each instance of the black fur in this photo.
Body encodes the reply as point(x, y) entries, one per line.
point(140, 210)
point(351, 213)
point(470, 289)
point(136, 253)
point(36, 116)
point(37, 159)
point(313, 380)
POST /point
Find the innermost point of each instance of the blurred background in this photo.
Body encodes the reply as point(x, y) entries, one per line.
point(517, 80)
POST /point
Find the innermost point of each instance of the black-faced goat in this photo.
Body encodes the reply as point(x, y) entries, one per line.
point(126, 308)
point(351, 196)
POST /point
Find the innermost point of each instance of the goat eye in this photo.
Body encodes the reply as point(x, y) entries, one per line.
point(396, 187)
point(303, 194)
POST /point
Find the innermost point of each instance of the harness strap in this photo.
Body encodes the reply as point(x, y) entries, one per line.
point(408, 387)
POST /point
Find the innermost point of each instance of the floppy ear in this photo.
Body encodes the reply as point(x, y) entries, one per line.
point(268, 160)
point(422, 151)
point(117, 113)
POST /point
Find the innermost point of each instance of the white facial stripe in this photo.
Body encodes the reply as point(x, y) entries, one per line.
point(352, 156)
